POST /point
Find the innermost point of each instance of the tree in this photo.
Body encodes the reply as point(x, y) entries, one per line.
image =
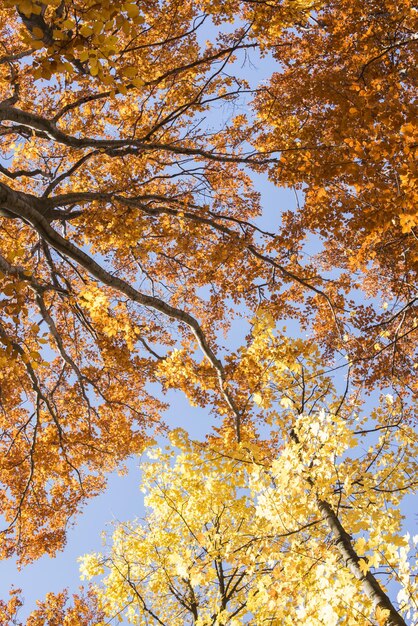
point(54, 611)
point(343, 114)
point(129, 235)
point(107, 235)
point(235, 537)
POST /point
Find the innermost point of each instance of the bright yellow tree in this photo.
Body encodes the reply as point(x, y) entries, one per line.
point(301, 528)
point(232, 539)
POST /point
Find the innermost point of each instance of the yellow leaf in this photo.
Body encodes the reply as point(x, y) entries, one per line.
point(130, 72)
point(258, 399)
point(37, 45)
point(68, 24)
point(360, 546)
point(138, 82)
point(374, 560)
point(86, 30)
point(58, 34)
point(381, 615)
point(131, 9)
point(286, 402)
point(37, 32)
point(97, 27)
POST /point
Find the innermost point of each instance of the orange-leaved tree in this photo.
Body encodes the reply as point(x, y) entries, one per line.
point(342, 111)
point(122, 212)
point(54, 610)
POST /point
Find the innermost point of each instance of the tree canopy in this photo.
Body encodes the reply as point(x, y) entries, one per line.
point(311, 535)
point(134, 241)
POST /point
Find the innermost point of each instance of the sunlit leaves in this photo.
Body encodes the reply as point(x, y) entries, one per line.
point(229, 534)
point(341, 113)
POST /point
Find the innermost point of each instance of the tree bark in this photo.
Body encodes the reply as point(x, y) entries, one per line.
point(369, 583)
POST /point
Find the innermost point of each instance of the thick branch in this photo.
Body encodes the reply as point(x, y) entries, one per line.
point(47, 128)
point(22, 206)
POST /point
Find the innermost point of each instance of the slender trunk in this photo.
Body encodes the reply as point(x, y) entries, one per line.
point(369, 583)
point(343, 543)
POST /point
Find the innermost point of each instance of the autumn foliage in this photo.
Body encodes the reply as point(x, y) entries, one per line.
point(136, 245)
